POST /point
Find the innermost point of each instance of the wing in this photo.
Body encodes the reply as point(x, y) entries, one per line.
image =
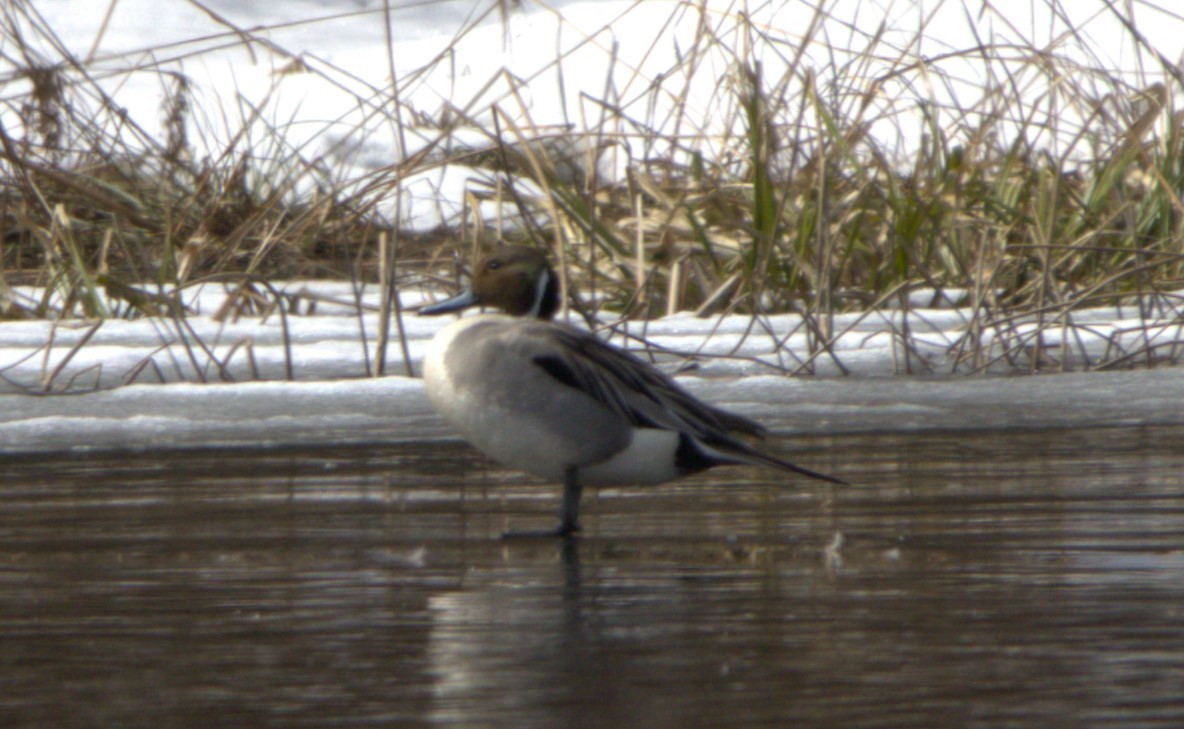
point(648, 398)
point(633, 388)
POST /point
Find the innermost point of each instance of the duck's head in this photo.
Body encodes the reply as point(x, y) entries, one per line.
point(516, 279)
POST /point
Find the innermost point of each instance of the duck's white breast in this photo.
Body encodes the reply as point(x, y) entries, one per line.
point(479, 374)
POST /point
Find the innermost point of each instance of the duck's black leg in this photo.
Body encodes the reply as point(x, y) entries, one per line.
point(569, 510)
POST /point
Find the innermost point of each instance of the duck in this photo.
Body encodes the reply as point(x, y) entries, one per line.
point(549, 399)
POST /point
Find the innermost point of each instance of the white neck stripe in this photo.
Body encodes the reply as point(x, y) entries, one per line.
point(540, 291)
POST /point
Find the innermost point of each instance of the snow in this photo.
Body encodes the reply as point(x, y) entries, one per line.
point(394, 408)
point(151, 383)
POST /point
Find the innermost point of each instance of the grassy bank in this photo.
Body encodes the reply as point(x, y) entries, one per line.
point(1026, 181)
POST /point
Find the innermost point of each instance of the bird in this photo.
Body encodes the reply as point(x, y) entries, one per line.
point(558, 402)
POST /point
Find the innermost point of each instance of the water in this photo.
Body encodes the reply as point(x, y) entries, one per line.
point(986, 579)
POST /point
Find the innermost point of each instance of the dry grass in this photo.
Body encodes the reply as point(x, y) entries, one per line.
point(1028, 176)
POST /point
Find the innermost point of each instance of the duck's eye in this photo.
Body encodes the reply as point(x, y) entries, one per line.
point(494, 265)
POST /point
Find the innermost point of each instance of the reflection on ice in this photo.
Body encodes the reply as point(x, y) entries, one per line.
point(1034, 577)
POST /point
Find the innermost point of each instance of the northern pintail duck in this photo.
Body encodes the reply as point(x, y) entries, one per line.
point(560, 403)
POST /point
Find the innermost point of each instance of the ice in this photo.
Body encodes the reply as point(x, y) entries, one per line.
point(245, 414)
point(394, 408)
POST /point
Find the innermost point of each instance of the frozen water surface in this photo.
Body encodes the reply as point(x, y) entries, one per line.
point(988, 578)
point(188, 536)
point(323, 551)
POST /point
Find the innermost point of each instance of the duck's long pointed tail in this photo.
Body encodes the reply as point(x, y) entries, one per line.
point(738, 452)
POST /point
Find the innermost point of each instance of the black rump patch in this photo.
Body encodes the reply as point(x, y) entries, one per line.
point(689, 458)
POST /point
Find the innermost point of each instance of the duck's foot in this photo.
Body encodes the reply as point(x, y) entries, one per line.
point(563, 531)
point(569, 511)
